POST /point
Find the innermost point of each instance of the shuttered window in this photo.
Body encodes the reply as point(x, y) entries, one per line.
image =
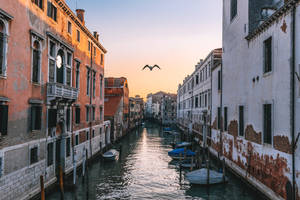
point(36, 54)
point(219, 118)
point(52, 11)
point(94, 84)
point(39, 3)
point(268, 55)
point(68, 120)
point(267, 123)
point(3, 119)
point(50, 154)
point(36, 118)
point(51, 70)
point(1, 51)
point(88, 82)
point(52, 118)
point(77, 74)
point(68, 147)
point(241, 120)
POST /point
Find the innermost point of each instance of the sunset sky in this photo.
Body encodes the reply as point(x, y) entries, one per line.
point(174, 34)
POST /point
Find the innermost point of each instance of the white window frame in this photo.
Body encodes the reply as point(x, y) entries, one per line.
point(69, 28)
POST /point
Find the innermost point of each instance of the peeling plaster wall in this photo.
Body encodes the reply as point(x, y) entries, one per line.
point(243, 63)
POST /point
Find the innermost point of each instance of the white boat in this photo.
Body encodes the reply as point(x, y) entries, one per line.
point(183, 144)
point(111, 155)
point(200, 177)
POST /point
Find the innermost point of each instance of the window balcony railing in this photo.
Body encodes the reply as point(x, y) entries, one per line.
point(61, 91)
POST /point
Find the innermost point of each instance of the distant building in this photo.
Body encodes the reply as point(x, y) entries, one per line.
point(116, 105)
point(168, 109)
point(136, 110)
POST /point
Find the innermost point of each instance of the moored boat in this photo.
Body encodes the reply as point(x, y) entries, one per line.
point(181, 153)
point(111, 155)
point(200, 177)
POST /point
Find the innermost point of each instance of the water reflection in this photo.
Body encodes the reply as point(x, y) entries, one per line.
point(144, 171)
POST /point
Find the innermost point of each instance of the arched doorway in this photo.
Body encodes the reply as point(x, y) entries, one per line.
point(60, 61)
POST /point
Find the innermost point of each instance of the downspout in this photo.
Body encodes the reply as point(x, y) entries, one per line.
point(221, 104)
point(293, 99)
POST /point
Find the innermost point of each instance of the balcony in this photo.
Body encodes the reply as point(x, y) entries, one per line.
point(58, 90)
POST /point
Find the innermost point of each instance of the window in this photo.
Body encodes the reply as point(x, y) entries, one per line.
point(52, 118)
point(102, 59)
point(77, 74)
point(225, 118)
point(219, 80)
point(94, 84)
point(205, 100)
point(68, 147)
point(52, 11)
point(3, 44)
point(69, 69)
point(101, 113)
point(68, 120)
point(52, 52)
point(197, 79)
point(93, 134)
point(241, 120)
point(219, 118)
point(3, 119)
point(36, 60)
point(95, 52)
point(101, 86)
point(87, 114)
point(93, 113)
point(50, 154)
point(88, 81)
point(77, 115)
point(36, 118)
point(69, 27)
point(89, 46)
point(39, 3)
point(76, 139)
point(200, 100)
point(268, 123)
point(196, 102)
point(268, 55)
point(87, 135)
point(33, 155)
point(233, 9)
point(78, 35)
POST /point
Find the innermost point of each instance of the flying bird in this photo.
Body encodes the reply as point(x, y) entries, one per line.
point(151, 67)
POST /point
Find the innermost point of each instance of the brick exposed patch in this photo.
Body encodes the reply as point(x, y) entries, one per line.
point(233, 128)
point(252, 135)
point(282, 143)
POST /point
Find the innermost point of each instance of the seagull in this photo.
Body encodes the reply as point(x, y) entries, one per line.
point(151, 67)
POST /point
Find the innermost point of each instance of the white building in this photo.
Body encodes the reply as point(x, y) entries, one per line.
point(260, 102)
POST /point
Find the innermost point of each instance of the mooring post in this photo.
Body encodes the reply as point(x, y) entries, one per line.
point(207, 166)
point(61, 182)
point(83, 163)
point(42, 187)
point(224, 177)
point(192, 163)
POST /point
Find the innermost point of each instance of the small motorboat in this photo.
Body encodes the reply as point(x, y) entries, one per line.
point(200, 177)
point(187, 164)
point(181, 153)
point(183, 144)
point(111, 155)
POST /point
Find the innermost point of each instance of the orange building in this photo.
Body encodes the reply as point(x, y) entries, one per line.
point(51, 92)
point(117, 105)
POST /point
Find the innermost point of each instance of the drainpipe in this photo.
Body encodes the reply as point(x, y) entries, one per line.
point(221, 104)
point(91, 98)
point(293, 98)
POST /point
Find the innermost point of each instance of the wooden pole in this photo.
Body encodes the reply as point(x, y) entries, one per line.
point(224, 179)
point(61, 182)
point(42, 188)
point(192, 163)
point(207, 167)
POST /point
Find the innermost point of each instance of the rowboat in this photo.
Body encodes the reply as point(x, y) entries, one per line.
point(200, 177)
point(111, 155)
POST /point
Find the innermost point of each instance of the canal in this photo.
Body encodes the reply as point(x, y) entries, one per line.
point(145, 171)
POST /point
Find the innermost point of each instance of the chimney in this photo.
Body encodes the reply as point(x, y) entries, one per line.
point(80, 15)
point(96, 35)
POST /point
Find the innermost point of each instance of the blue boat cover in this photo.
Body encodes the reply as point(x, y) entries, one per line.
point(177, 152)
point(167, 129)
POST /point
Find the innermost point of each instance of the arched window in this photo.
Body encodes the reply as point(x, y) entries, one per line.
point(36, 58)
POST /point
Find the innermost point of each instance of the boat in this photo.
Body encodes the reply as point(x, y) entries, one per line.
point(168, 130)
point(200, 177)
point(111, 155)
point(183, 144)
point(181, 153)
point(187, 164)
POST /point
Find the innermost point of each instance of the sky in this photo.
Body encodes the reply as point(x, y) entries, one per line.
point(174, 34)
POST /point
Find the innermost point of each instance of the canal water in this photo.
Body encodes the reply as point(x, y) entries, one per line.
point(145, 171)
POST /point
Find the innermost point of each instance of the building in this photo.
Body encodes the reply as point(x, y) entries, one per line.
point(256, 106)
point(136, 111)
point(168, 109)
point(194, 99)
point(51, 94)
point(117, 105)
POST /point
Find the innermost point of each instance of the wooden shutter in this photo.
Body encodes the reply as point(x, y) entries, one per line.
point(225, 118)
point(241, 120)
point(267, 123)
point(3, 119)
